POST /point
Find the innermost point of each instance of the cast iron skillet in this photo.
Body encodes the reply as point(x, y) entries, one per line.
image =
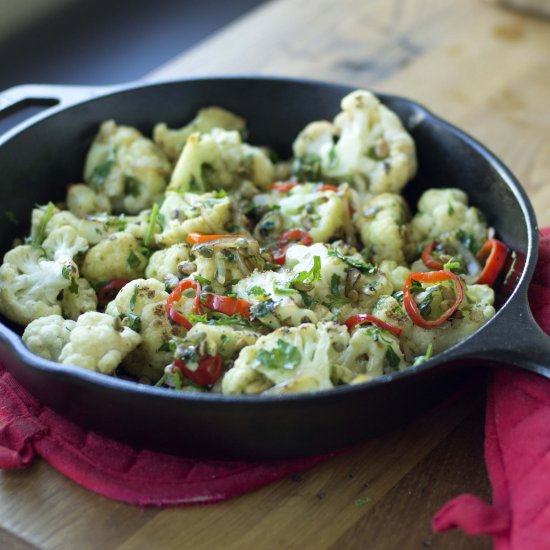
point(40, 156)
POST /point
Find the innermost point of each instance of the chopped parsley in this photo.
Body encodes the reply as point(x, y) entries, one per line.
point(310, 277)
point(167, 346)
point(423, 358)
point(73, 287)
point(262, 309)
point(133, 260)
point(335, 281)
point(450, 209)
point(66, 272)
point(468, 240)
point(354, 262)
point(203, 281)
point(256, 291)
point(150, 233)
point(332, 157)
point(392, 357)
point(284, 290)
point(134, 322)
point(283, 355)
point(101, 172)
point(194, 318)
point(133, 298)
point(40, 235)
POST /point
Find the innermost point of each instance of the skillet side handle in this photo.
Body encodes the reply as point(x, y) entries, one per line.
point(45, 96)
point(517, 339)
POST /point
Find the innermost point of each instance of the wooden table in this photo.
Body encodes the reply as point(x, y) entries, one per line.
point(485, 69)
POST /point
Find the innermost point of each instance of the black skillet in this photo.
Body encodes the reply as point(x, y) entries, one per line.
point(40, 156)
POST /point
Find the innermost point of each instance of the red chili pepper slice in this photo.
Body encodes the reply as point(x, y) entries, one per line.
point(109, 291)
point(199, 238)
point(493, 253)
point(361, 318)
point(175, 297)
point(411, 306)
point(292, 236)
point(284, 186)
point(328, 188)
point(428, 259)
point(227, 305)
point(208, 372)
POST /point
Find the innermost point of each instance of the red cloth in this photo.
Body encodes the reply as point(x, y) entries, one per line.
point(517, 448)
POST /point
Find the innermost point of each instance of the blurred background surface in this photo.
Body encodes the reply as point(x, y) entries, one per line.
point(102, 41)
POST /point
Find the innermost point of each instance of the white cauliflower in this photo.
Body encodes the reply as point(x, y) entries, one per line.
point(173, 141)
point(30, 285)
point(366, 144)
point(47, 336)
point(323, 213)
point(98, 342)
point(373, 352)
point(164, 264)
point(183, 213)
point(64, 243)
point(79, 298)
point(224, 340)
point(219, 160)
point(117, 257)
point(289, 360)
point(126, 167)
point(381, 223)
point(83, 201)
point(141, 304)
point(445, 212)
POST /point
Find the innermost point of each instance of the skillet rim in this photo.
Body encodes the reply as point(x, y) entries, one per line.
point(84, 377)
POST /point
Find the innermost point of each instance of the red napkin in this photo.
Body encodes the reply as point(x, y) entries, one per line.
point(517, 448)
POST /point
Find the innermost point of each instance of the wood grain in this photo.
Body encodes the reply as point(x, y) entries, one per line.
point(485, 69)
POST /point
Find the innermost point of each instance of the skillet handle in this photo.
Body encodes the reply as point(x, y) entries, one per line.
point(516, 339)
point(14, 101)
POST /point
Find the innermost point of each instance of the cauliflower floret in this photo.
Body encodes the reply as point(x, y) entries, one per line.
point(372, 352)
point(117, 257)
point(83, 201)
point(64, 243)
point(79, 298)
point(208, 213)
point(46, 336)
point(272, 302)
point(445, 212)
point(126, 167)
point(474, 311)
point(98, 342)
point(381, 223)
point(30, 285)
point(323, 213)
point(346, 285)
point(173, 141)
point(141, 304)
point(164, 264)
point(289, 360)
point(224, 340)
point(219, 160)
point(366, 143)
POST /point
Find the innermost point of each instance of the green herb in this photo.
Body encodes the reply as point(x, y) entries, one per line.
point(256, 291)
point(262, 309)
point(11, 216)
point(73, 287)
point(335, 281)
point(332, 157)
point(41, 231)
point(132, 187)
point(354, 262)
point(150, 233)
point(133, 298)
point(308, 168)
point(145, 251)
point(332, 300)
point(101, 172)
point(468, 240)
point(310, 277)
point(415, 287)
point(452, 265)
point(283, 355)
point(177, 379)
point(162, 380)
point(450, 209)
point(362, 501)
point(161, 218)
point(221, 194)
point(221, 319)
point(285, 291)
point(66, 272)
point(423, 358)
point(194, 318)
point(392, 357)
point(372, 154)
point(307, 299)
point(133, 260)
point(203, 281)
point(167, 346)
point(135, 322)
